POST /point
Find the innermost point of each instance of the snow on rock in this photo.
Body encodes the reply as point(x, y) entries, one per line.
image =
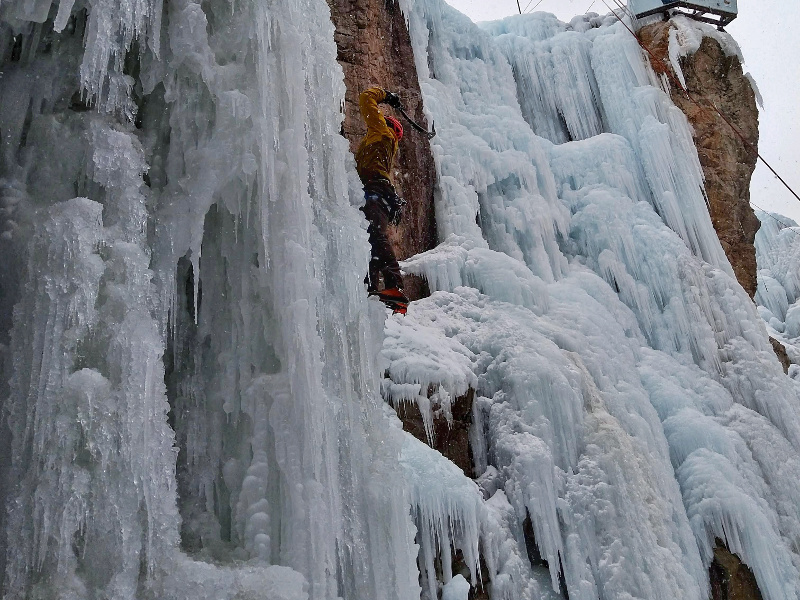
point(693, 32)
point(425, 356)
point(686, 36)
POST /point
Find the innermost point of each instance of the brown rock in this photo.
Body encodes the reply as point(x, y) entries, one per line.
point(728, 163)
point(451, 439)
point(780, 352)
point(374, 49)
point(731, 579)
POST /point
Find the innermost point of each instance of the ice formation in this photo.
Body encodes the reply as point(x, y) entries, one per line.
point(192, 372)
point(778, 294)
point(627, 387)
point(200, 207)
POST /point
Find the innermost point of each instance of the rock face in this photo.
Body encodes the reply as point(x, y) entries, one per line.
point(375, 50)
point(728, 163)
point(450, 435)
point(731, 579)
point(780, 352)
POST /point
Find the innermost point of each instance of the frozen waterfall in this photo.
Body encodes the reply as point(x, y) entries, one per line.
point(193, 376)
point(778, 294)
point(629, 399)
point(200, 208)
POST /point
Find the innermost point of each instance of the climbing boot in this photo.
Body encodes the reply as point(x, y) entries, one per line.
point(393, 298)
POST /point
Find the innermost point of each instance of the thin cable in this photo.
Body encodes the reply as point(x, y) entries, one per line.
point(792, 228)
point(534, 8)
point(518, 7)
point(625, 10)
point(619, 6)
point(679, 85)
point(590, 6)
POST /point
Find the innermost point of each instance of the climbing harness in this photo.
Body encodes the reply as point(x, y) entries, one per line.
point(391, 203)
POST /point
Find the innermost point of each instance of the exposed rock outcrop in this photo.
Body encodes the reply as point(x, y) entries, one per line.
point(780, 352)
point(728, 163)
point(450, 428)
point(375, 50)
point(731, 579)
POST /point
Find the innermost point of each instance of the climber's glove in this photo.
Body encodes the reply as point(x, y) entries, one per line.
point(396, 210)
point(393, 100)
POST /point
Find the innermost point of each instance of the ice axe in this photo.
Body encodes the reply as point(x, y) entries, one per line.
point(429, 134)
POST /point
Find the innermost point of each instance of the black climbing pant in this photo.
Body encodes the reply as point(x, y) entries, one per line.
point(383, 261)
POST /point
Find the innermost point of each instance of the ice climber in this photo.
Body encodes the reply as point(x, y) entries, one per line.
point(382, 206)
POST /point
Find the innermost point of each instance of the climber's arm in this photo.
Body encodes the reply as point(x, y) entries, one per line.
point(368, 103)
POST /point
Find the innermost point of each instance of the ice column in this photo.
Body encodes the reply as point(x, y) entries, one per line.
point(93, 463)
point(217, 226)
point(288, 462)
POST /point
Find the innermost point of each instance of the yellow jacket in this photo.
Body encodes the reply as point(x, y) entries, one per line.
point(377, 150)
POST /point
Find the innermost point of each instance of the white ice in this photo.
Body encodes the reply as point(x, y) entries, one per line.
point(194, 371)
point(778, 294)
point(617, 359)
point(213, 223)
point(448, 509)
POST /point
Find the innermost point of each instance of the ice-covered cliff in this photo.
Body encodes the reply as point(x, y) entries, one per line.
point(191, 363)
point(778, 251)
point(709, 66)
point(199, 400)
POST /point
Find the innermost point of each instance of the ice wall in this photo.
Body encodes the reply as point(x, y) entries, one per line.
point(629, 400)
point(191, 368)
point(777, 252)
point(173, 183)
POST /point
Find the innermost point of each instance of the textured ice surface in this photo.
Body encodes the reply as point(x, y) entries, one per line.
point(193, 388)
point(448, 509)
point(778, 294)
point(631, 404)
point(191, 367)
point(110, 29)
